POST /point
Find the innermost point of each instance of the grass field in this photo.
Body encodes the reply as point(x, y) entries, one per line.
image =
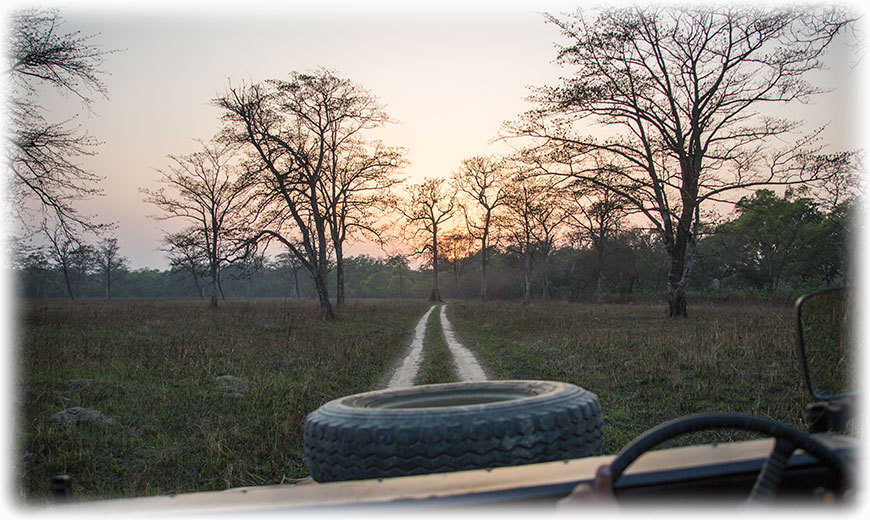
point(199, 399)
point(646, 369)
point(204, 400)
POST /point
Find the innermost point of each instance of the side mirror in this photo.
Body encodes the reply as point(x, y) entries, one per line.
point(827, 353)
point(825, 346)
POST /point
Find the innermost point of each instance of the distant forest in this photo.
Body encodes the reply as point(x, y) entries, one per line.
point(775, 247)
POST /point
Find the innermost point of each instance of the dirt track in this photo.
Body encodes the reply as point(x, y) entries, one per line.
point(467, 367)
point(407, 371)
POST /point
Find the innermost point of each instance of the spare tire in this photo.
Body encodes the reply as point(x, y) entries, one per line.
point(451, 427)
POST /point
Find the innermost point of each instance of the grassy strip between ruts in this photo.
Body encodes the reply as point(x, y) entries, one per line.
point(645, 368)
point(192, 399)
point(438, 365)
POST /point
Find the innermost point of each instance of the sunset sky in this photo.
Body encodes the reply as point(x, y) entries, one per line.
point(449, 72)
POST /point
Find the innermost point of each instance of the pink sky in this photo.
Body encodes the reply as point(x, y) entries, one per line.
point(449, 72)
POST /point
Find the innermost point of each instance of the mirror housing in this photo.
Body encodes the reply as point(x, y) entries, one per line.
point(826, 354)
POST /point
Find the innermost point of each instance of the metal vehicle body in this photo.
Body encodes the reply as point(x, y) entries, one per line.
point(814, 467)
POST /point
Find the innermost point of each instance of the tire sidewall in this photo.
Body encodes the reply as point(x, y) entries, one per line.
point(361, 436)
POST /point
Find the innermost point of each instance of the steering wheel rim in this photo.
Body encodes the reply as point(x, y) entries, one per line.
point(787, 440)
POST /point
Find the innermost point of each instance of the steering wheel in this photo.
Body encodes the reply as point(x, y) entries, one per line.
point(787, 440)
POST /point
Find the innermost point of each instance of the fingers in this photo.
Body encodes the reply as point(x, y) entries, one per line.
point(603, 485)
point(598, 494)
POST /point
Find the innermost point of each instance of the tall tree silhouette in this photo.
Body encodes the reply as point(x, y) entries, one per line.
point(677, 95)
point(206, 190)
point(314, 176)
point(428, 207)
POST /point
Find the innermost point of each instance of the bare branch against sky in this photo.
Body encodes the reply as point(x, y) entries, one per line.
point(449, 73)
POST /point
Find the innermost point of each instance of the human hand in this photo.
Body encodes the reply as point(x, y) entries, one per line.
point(600, 493)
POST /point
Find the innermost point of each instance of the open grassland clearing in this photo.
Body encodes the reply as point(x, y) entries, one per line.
point(194, 399)
point(645, 368)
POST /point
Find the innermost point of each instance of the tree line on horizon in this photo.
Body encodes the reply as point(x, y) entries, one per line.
point(677, 93)
point(777, 247)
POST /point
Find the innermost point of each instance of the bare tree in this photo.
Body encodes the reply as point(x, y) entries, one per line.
point(456, 250)
point(314, 181)
point(677, 95)
point(596, 212)
point(291, 263)
point(533, 214)
point(41, 155)
point(185, 254)
point(429, 205)
point(356, 189)
point(109, 262)
point(482, 180)
point(82, 262)
point(206, 190)
point(843, 186)
point(549, 219)
point(34, 264)
point(398, 263)
point(71, 257)
point(60, 248)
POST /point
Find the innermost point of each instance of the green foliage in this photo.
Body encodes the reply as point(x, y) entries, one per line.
point(778, 242)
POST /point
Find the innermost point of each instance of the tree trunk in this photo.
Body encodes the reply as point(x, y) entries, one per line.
point(213, 268)
point(678, 276)
point(319, 273)
point(339, 284)
point(483, 267)
point(527, 275)
point(79, 280)
point(320, 260)
point(68, 284)
point(199, 288)
point(677, 304)
point(323, 296)
point(545, 280)
point(214, 291)
point(599, 282)
point(296, 283)
point(599, 286)
point(339, 274)
point(682, 243)
point(436, 295)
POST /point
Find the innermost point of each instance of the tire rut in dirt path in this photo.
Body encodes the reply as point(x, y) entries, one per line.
point(407, 371)
point(467, 366)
